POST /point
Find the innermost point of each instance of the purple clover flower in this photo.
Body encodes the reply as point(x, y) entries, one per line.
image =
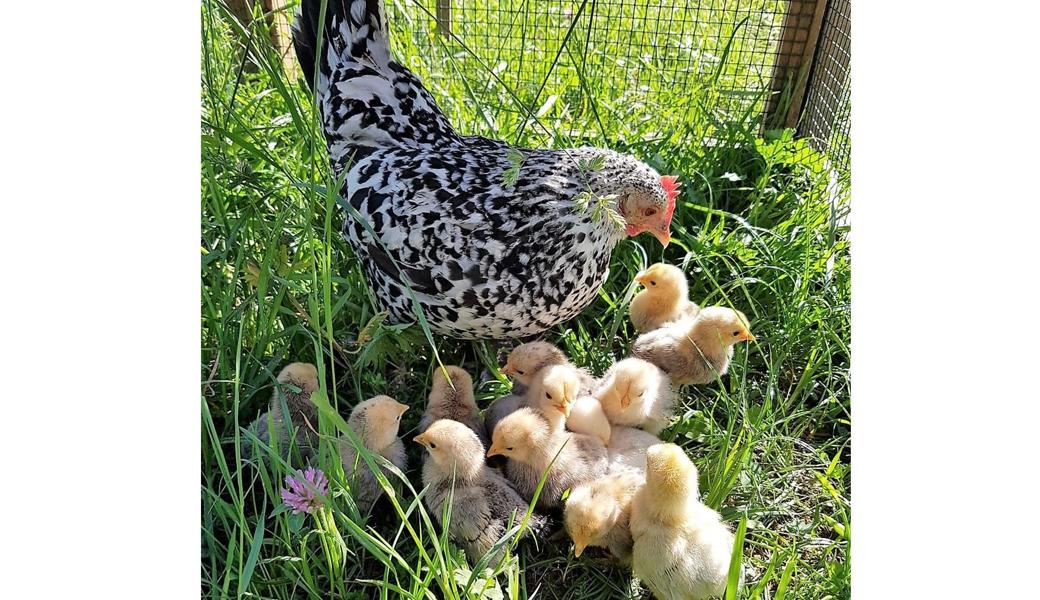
point(304, 492)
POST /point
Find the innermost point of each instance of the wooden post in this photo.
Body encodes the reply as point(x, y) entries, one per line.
point(281, 36)
point(794, 57)
point(444, 17)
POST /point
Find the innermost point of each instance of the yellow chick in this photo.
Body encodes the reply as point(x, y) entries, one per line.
point(453, 400)
point(681, 549)
point(627, 449)
point(635, 393)
point(302, 413)
point(530, 444)
point(554, 392)
point(376, 422)
point(664, 299)
point(526, 360)
point(483, 503)
point(695, 351)
point(597, 514)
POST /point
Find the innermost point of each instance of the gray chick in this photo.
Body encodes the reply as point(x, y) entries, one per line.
point(453, 400)
point(303, 415)
point(695, 351)
point(484, 504)
point(530, 443)
point(376, 422)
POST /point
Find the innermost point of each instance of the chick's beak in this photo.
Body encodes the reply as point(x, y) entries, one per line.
point(625, 400)
point(748, 337)
point(420, 439)
point(402, 408)
point(564, 408)
point(493, 451)
point(508, 371)
point(641, 278)
point(578, 549)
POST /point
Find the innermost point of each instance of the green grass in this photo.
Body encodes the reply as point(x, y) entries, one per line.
point(760, 226)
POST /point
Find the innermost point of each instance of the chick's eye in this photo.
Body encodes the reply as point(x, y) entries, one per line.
point(649, 212)
point(510, 448)
point(548, 395)
point(736, 333)
point(652, 282)
point(432, 445)
point(519, 372)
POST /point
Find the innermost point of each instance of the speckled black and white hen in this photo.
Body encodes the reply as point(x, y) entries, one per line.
point(485, 257)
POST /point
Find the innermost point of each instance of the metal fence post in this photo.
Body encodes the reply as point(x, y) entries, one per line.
point(444, 17)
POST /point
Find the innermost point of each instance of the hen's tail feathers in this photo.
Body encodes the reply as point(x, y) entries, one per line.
point(354, 30)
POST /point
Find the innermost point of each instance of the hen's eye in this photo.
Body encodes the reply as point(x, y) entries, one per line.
point(652, 282)
point(650, 212)
point(519, 372)
point(432, 445)
point(736, 333)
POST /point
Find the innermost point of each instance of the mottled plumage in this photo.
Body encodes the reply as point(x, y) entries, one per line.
point(697, 351)
point(486, 258)
point(527, 440)
point(376, 422)
point(453, 401)
point(483, 503)
point(296, 383)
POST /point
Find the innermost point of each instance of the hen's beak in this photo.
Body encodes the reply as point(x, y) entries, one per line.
point(493, 451)
point(578, 549)
point(663, 235)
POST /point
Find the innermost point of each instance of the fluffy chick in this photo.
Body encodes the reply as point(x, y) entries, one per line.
point(452, 398)
point(636, 393)
point(554, 392)
point(484, 505)
point(627, 449)
point(526, 360)
point(597, 514)
point(376, 422)
point(302, 413)
point(681, 548)
point(664, 299)
point(695, 351)
point(530, 444)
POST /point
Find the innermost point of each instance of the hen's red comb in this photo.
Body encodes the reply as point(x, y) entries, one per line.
point(671, 189)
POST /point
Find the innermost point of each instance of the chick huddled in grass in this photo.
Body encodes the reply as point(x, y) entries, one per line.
point(526, 360)
point(681, 549)
point(597, 512)
point(697, 351)
point(530, 444)
point(664, 299)
point(296, 382)
point(452, 398)
point(483, 503)
point(375, 422)
point(522, 365)
point(635, 393)
point(554, 392)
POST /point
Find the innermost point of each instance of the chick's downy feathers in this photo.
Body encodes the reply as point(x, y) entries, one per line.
point(681, 548)
point(483, 503)
point(695, 351)
point(375, 422)
point(452, 398)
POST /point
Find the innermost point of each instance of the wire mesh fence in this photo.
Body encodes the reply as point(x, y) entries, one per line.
point(767, 58)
